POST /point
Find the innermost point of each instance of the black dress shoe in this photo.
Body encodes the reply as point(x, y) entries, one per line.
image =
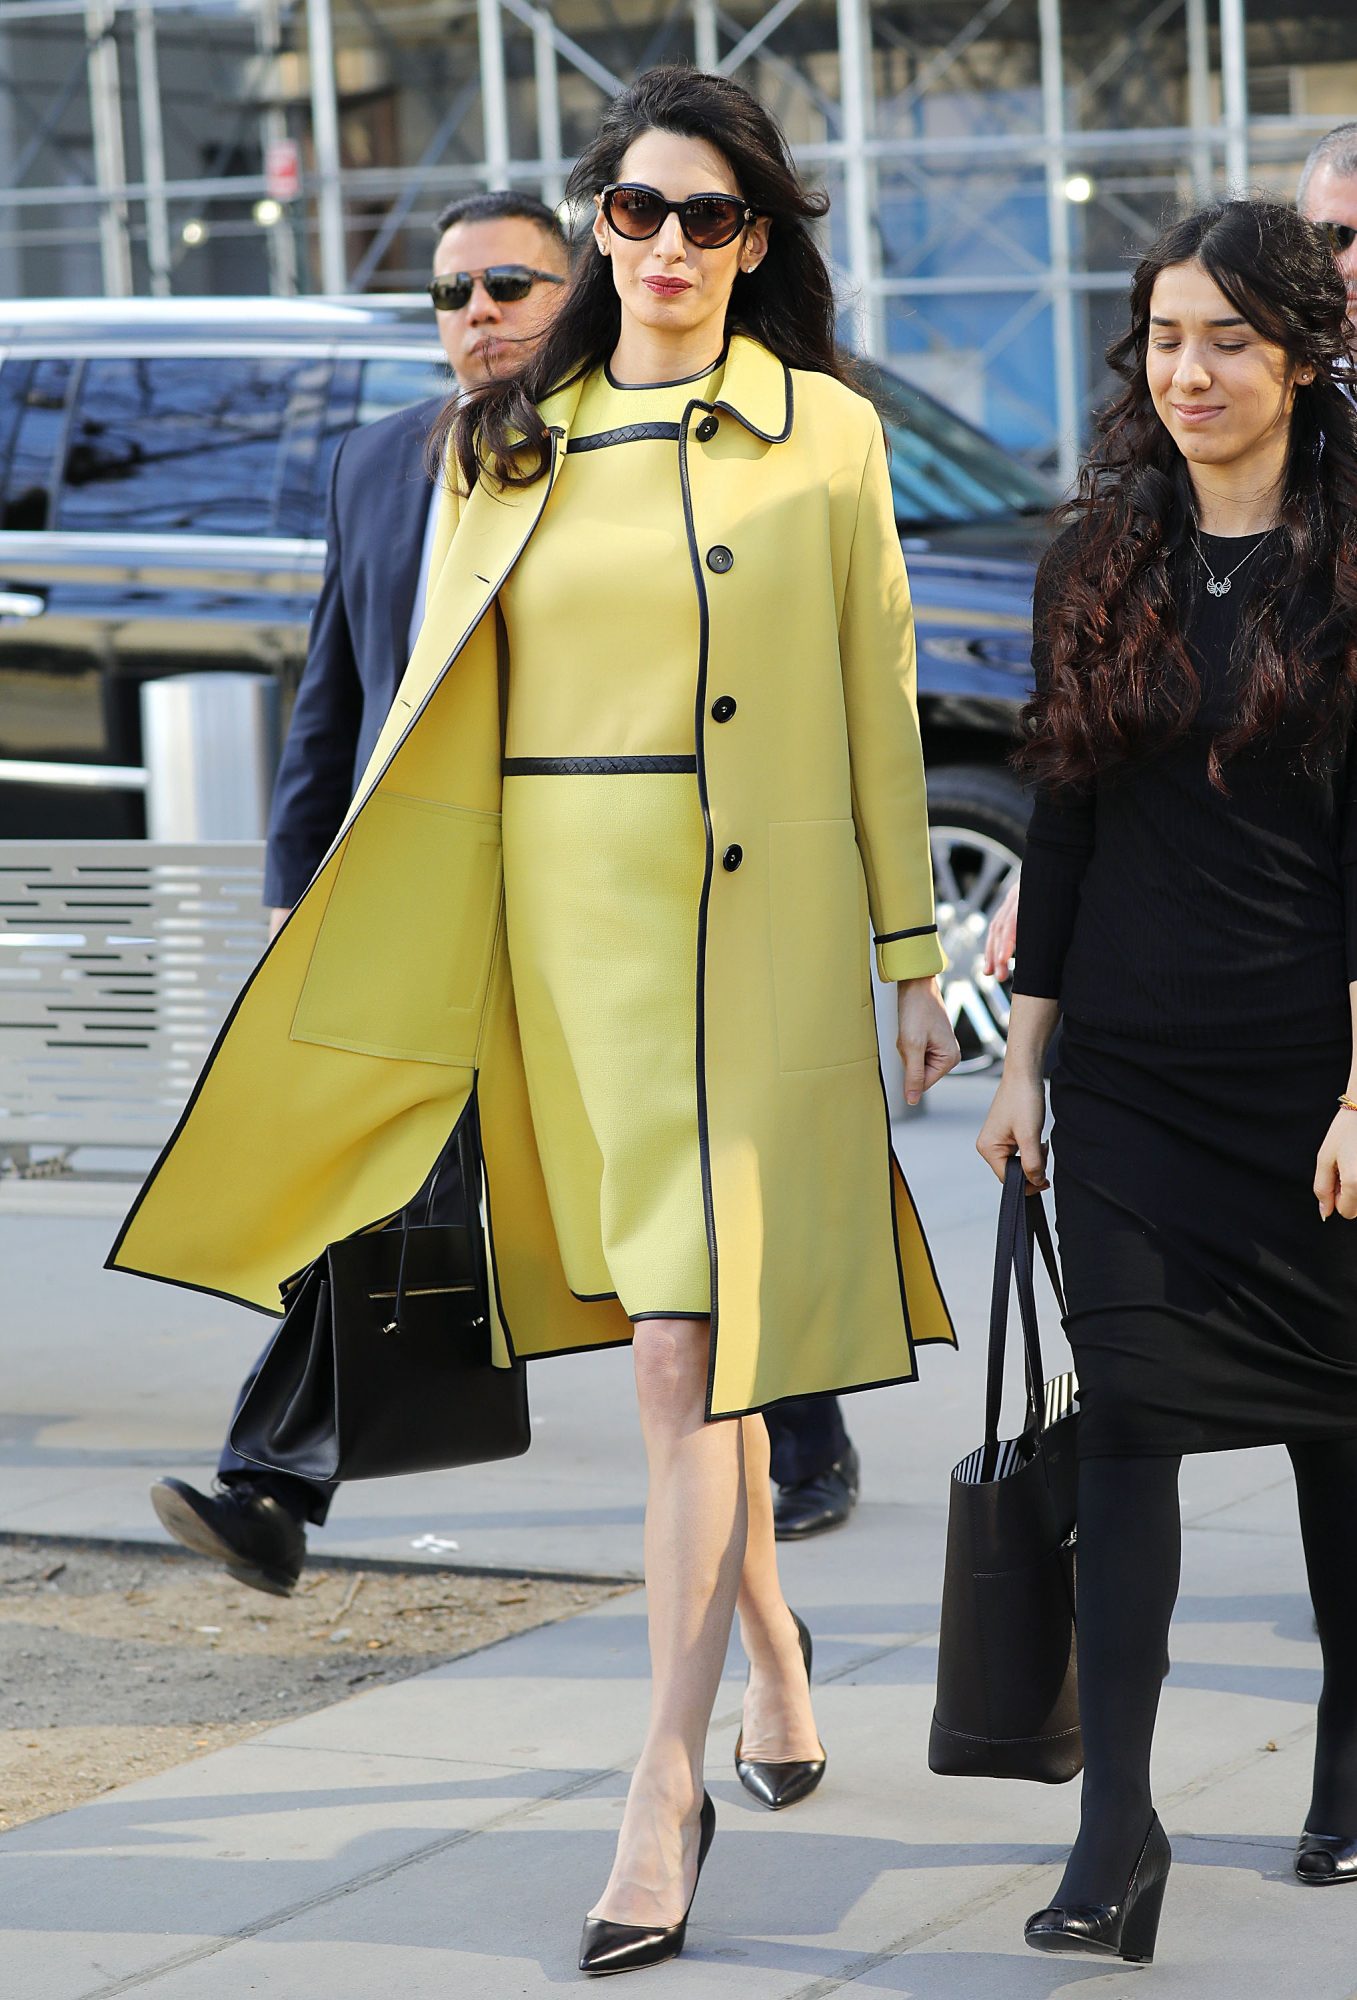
point(1325, 1858)
point(814, 1505)
point(250, 1532)
point(608, 1947)
point(1112, 1930)
point(779, 1785)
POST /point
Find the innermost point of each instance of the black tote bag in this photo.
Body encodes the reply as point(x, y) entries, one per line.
point(1007, 1702)
point(382, 1363)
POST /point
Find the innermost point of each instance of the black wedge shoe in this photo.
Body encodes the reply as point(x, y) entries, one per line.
point(608, 1947)
point(1325, 1858)
point(1112, 1930)
point(779, 1785)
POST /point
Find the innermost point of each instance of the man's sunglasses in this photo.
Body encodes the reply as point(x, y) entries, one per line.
point(709, 221)
point(506, 284)
point(1340, 235)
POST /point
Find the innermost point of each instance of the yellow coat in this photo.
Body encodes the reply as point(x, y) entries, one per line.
point(386, 997)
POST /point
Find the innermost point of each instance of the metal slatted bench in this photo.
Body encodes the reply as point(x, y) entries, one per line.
point(119, 962)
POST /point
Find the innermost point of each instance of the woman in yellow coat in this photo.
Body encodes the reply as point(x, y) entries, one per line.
point(652, 770)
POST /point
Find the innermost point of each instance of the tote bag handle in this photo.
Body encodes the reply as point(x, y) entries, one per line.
point(1022, 1223)
point(468, 1137)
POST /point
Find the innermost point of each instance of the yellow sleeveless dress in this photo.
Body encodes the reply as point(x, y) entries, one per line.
point(604, 852)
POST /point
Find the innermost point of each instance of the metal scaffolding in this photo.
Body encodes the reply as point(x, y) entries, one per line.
point(993, 164)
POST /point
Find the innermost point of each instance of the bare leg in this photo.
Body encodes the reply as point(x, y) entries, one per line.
point(778, 1724)
point(694, 1548)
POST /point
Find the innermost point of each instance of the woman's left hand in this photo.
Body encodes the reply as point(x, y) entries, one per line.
point(927, 1046)
point(1336, 1168)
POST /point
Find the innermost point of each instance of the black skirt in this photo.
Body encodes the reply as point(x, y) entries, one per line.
point(1209, 1307)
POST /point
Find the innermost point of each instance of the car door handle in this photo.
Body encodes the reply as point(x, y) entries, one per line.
point(997, 650)
point(21, 604)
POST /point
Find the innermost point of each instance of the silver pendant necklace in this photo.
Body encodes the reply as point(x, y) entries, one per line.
point(1219, 586)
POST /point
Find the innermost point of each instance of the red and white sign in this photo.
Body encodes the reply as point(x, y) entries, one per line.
point(283, 169)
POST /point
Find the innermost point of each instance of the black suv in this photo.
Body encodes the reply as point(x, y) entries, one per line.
point(163, 474)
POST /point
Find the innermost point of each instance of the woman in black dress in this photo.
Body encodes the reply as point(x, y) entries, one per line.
point(1189, 908)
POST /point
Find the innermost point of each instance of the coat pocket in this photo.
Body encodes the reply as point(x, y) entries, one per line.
point(820, 928)
point(402, 959)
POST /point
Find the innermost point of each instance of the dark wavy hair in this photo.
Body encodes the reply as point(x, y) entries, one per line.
point(787, 303)
point(1117, 680)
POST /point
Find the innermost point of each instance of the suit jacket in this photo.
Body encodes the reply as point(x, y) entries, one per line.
point(359, 642)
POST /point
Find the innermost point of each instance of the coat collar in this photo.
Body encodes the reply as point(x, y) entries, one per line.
point(756, 388)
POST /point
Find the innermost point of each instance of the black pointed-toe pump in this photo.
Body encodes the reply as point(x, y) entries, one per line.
point(608, 1947)
point(779, 1785)
point(1325, 1858)
point(1112, 1930)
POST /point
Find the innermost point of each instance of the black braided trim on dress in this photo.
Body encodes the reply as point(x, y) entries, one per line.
point(589, 767)
point(626, 434)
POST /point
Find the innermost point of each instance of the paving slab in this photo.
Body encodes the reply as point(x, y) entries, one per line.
point(366, 1843)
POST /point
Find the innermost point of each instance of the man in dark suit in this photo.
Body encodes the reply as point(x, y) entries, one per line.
point(499, 267)
point(379, 535)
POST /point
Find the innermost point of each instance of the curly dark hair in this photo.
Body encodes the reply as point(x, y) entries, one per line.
point(1116, 680)
point(787, 303)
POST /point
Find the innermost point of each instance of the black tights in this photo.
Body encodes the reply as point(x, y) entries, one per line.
point(1129, 1547)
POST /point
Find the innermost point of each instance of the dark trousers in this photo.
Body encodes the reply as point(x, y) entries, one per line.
point(807, 1436)
point(438, 1201)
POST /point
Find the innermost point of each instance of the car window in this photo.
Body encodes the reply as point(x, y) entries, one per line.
point(384, 386)
point(33, 416)
point(363, 391)
point(13, 389)
point(942, 468)
point(169, 445)
point(303, 447)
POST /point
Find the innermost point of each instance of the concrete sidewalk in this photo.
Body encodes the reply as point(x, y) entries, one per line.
point(441, 1839)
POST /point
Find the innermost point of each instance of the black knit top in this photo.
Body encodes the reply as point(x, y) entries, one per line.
point(1155, 906)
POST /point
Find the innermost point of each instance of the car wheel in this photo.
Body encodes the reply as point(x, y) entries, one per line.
point(977, 822)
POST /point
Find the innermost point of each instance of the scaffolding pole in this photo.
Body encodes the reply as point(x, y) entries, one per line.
point(1063, 345)
point(494, 93)
point(548, 107)
point(325, 138)
point(110, 167)
point(273, 128)
point(1234, 95)
point(706, 46)
point(152, 149)
point(855, 87)
point(1199, 97)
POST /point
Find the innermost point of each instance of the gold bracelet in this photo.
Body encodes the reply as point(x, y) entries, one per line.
point(1348, 1103)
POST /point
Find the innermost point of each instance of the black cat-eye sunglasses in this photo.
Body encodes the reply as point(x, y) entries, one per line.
point(709, 221)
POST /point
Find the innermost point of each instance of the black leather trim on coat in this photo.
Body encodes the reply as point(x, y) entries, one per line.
point(894, 937)
point(703, 903)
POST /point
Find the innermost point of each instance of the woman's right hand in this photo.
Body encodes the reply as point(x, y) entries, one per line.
point(1016, 1120)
